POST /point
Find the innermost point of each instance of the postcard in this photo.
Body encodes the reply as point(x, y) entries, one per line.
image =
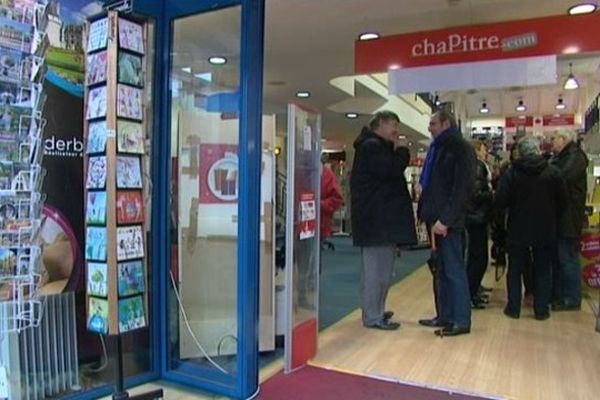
point(98, 35)
point(129, 102)
point(98, 315)
point(10, 66)
point(130, 242)
point(131, 36)
point(129, 173)
point(13, 36)
point(96, 67)
point(130, 137)
point(8, 262)
point(132, 314)
point(97, 279)
point(130, 207)
point(96, 173)
point(95, 243)
point(14, 121)
point(95, 211)
point(21, 11)
point(130, 69)
point(131, 278)
point(96, 105)
point(96, 137)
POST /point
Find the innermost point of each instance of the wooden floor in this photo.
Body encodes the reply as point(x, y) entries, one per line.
point(557, 359)
point(514, 359)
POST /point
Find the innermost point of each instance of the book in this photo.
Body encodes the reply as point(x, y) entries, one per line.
point(130, 69)
point(98, 35)
point(130, 207)
point(96, 137)
point(95, 243)
point(97, 279)
point(129, 173)
point(130, 137)
point(131, 36)
point(96, 68)
point(96, 104)
point(131, 278)
point(95, 211)
point(130, 242)
point(129, 102)
point(132, 314)
point(98, 315)
point(96, 173)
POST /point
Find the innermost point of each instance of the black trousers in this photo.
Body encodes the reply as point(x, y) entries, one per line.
point(477, 256)
point(518, 256)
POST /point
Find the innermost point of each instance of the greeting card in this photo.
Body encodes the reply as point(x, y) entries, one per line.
point(129, 174)
point(97, 279)
point(130, 207)
point(96, 105)
point(131, 278)
point(96, 67)
point(96, 176)
point(95, 211)
point(130, 242)
point(98, 315)
point(131, 314)
point(130, 137)
point(130, 69)
point(129, 102)
point(98, 35)
point(131, 36)
point(95, 243)
point(96, 137)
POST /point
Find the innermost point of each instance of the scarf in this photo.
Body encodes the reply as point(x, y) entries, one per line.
point(430, 159)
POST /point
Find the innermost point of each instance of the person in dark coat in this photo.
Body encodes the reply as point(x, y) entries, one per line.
point(478, 218)
point(446, 185)
point(381, 212)
point(572, 163)
point(534, 193)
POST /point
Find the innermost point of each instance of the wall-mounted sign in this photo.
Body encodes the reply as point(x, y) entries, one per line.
point(218, 173)
point(558, 120)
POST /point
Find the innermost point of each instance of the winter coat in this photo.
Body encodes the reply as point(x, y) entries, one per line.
point(535, 194)
point(480, 203)
point(381, 207)
point(572, 163)
point(451, 183)
point(331, 200)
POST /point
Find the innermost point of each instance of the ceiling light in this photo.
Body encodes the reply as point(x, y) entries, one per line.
point(484, 108)
point(583, 8)
point(560, 105)
point(217, 60)
point(401, 137)
point(368, 36)
point(206, 76)
point(571, 83)
point(521, 107)
point(436, 100)
point(187, 69)
point(302, 95)
point(351, 115)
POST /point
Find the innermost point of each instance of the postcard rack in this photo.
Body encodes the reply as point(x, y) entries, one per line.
point(23, 44)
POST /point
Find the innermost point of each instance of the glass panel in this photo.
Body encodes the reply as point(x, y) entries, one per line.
point(205, 146)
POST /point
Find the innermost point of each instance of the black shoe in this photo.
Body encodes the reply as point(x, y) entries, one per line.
point(388, 314)
point(384, 325)
point(478, 304)
point(453, 330)
point(561, 306)
point(433, 323)
point(511, 314)
point(542, 317)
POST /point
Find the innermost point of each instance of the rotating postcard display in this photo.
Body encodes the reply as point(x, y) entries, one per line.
point(23, 44)
point(115, 216)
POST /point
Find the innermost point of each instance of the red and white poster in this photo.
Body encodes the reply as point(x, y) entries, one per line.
point(219, 178)
point(591, 275)
point(308, 215)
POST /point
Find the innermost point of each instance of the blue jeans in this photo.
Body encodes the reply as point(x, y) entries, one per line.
point(454, 299)
point(569, 272)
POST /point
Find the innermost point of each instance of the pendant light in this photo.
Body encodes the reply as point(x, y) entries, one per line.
point(560, 105)
point(571, 83)
point(484, 108)
point(436, 100)
point(521, 107)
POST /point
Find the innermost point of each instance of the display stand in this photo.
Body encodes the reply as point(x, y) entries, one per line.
point(114, 165)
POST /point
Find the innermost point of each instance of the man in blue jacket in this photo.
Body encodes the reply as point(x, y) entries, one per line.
point(446, 185)
point(382, 214)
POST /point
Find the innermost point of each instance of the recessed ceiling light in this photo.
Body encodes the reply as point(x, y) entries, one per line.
point(187, 69)
point(302, 95)
point(402, 137)
point(484, 108)
point(217, 60)
point(351, 115)
point(368, 36)
point(560, 105)
point(521, 107)
point(583, 8)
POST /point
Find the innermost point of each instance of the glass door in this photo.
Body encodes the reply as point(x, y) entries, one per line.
point(210, 289)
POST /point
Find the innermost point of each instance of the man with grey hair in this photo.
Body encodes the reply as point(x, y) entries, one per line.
point(534, 193)
point(572, 163)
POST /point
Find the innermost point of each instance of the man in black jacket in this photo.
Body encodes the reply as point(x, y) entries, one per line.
point(572, 163)
point(382, 215)
point(446, 185)
point(534, 193)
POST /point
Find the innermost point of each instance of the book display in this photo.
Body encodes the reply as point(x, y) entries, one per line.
point(23, 45)
point(115, 161)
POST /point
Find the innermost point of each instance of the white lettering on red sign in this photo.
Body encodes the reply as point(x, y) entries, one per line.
point(455, 43)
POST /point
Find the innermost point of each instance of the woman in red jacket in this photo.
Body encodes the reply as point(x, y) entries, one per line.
point(331, 200)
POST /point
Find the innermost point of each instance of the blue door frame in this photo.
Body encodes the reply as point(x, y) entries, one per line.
point(245, 383)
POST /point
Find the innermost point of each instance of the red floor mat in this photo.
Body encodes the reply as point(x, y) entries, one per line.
point(311, 383)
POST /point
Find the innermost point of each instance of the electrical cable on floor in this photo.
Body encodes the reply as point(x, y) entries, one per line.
point(189, 328)
point(221, 342)
point(102, 366)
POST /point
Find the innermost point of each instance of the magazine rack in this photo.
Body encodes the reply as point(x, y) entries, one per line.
point(23, 43)
point(114, 165)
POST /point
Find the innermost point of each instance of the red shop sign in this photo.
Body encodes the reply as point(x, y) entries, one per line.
point(513, 39)
point(591, 275)
point(590, 245)
point(559, 120)
point(513, 122)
